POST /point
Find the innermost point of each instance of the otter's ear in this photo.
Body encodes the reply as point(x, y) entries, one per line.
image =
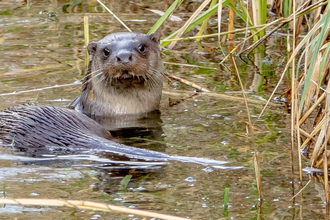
point(91, 48)
point(155, 37)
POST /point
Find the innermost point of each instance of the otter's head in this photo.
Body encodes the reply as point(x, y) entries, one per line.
point(125, 76)
point(125, 60)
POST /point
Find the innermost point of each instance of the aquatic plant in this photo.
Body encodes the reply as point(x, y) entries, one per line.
point(307, 63)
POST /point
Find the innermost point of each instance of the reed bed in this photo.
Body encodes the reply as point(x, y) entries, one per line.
point(307, 64)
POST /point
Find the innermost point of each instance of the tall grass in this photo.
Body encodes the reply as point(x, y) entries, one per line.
point(310, 85)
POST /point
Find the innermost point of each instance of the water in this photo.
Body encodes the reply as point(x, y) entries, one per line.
point(42, 46)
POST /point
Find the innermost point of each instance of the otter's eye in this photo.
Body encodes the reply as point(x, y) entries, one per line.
point(141, 48)
point(106, 52)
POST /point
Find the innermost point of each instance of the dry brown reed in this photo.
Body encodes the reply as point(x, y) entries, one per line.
point(258, 176)
point(86, 36)
point(78, 204)
point(231, 21)
point(188, 22)
point(314, 118)
point(186, 82)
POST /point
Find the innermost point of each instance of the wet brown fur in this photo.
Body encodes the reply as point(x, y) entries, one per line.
point(118, 86)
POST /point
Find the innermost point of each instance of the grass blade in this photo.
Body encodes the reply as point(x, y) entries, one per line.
point(162, 19)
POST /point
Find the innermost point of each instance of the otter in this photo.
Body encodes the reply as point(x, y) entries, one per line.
point(124, 77)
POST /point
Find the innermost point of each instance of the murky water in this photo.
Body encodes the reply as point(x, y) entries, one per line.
point(41, 45)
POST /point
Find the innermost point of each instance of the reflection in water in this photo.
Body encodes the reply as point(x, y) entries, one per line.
point(144, 130)
point(100, 162)
point(18, 209)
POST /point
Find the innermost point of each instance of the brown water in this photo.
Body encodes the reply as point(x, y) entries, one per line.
point(41, 45)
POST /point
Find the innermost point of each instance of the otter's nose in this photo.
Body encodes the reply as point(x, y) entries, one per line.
point(124, 57)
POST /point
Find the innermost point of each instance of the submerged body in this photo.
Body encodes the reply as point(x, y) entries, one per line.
point(62, 131)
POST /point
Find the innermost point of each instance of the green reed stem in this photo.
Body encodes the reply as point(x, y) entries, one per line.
point(226, 198)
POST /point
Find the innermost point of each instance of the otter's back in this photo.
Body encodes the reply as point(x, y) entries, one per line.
point(35, 128)
point(32, 125)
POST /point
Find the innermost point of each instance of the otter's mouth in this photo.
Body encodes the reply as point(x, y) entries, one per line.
point(128, 78)
point(126, 75)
